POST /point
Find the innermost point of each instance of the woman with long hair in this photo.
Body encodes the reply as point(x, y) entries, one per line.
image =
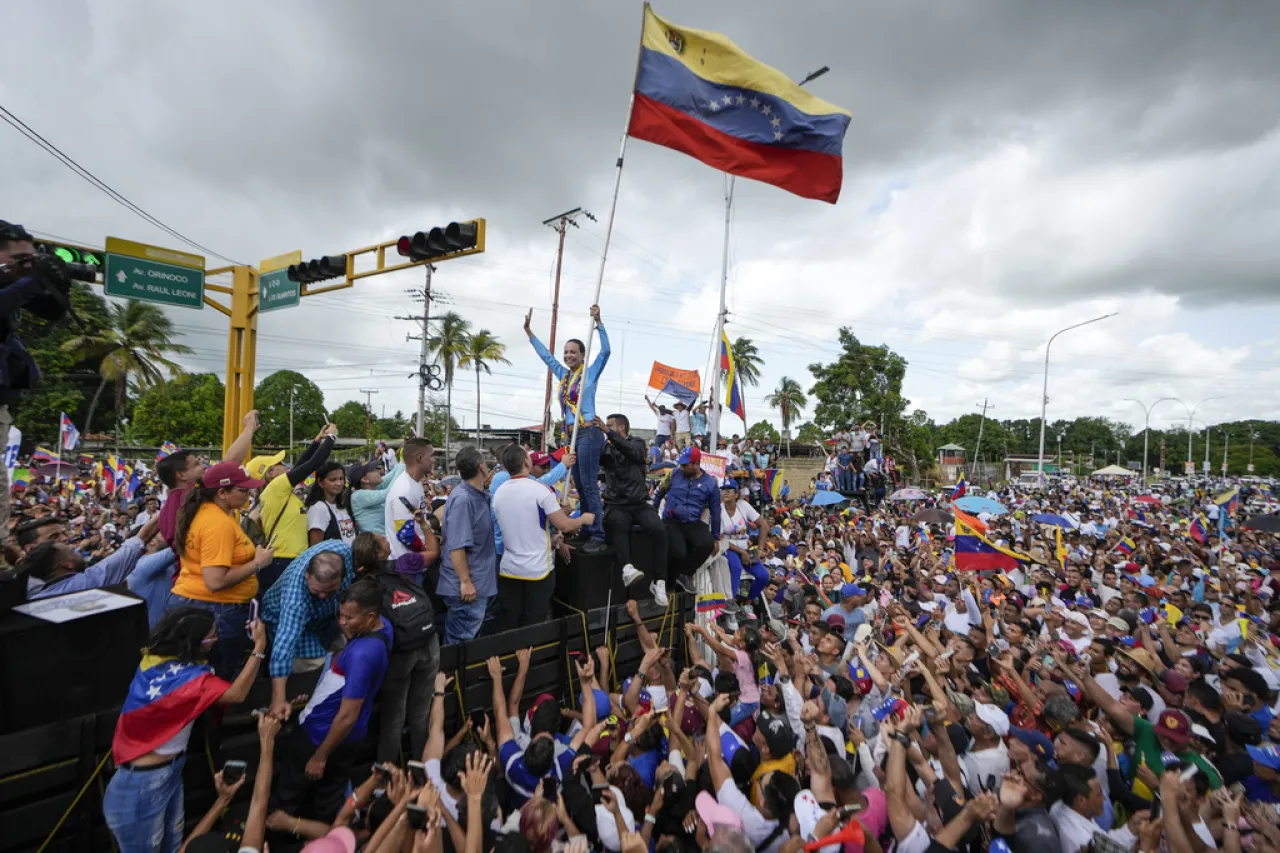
point(328, 504)
point(173, 686)
point(218, 562)
point(736, 519)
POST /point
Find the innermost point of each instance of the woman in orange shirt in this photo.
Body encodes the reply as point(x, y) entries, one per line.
point(218, 563)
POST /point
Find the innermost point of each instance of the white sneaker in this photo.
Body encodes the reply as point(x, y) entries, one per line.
point(659, 590)
point(630, 574)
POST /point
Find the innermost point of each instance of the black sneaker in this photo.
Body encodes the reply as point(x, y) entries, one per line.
point(595, 546)
point(685, 584)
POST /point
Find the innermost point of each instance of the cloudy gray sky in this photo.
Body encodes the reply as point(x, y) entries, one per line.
point(1011, 168)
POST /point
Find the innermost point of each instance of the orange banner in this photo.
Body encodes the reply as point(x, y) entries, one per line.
point(660, 374)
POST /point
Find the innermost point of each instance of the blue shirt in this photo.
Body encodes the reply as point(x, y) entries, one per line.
point(152, 580)
point(548, 479)
point(698, 420)
point(468, 526)
point(369, 506)
point(523, 782)
point(587, 393)
point(301, 625)
point(108, 571)
point(355, 673)
point(687, 498)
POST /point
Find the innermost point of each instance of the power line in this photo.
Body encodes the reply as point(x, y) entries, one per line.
point(26, 130)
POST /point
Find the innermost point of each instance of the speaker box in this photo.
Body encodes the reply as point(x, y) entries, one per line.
point(53, 671)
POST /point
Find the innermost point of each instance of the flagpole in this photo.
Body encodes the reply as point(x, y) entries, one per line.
point(713, 421)
point(608, 236)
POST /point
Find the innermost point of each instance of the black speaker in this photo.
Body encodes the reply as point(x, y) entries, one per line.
point(52, 671)
point(584, 580)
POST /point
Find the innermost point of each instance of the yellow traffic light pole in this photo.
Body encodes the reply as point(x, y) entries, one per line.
point(242, 335)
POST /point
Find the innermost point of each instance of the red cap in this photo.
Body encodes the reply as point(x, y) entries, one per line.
point(228, 474)
point(1174, 725)
point(540, 459)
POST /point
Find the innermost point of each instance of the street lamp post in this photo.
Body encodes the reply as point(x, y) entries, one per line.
point(1191, 412)
point(1044, 396)
point(1146, 427)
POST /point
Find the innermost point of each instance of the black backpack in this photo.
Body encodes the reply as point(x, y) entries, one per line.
point(408, 608)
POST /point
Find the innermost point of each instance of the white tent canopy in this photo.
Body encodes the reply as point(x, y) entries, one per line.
point(1114, 471)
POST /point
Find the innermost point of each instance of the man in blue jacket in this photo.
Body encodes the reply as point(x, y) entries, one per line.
point(690, 541)
point(577, 396)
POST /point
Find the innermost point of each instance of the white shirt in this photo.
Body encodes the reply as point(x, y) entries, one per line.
point(755, 825)
point(522, 507)
point(398, 518)
point(735, 527)
point(980, 766)
point(318, 518)
point(682, 420)
point(664, 424)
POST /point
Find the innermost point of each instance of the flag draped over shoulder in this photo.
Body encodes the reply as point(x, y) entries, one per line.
point(165, 695)
point(975, 553)
point(733, 382)
point(698, 93)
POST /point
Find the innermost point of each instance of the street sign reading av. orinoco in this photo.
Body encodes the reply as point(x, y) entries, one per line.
point(153, 274)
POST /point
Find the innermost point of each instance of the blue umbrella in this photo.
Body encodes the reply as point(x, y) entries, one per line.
point(975, 504)
point(1050, 518)
point(828, 499)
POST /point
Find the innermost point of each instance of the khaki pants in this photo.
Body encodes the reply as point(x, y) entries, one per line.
point(684, 439)
point(6, 421)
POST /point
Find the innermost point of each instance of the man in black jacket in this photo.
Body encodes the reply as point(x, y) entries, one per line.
point(626, 497)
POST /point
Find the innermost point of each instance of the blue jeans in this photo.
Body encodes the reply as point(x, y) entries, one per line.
point(462, 620)
point(759, 575)
point(586, 476)
point(232, 649)
point(143, 808)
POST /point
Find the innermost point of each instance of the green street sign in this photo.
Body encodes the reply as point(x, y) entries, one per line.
point(275, 290)
point(152, 281)
point(153, 274)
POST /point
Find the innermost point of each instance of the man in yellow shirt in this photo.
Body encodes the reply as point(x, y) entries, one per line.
point(284, 519)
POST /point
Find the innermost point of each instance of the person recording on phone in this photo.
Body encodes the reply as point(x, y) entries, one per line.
point(29, 281)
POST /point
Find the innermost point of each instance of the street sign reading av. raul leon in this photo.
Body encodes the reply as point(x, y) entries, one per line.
point(153, 274)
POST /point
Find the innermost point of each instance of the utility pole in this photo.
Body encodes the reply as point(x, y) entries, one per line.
point(973, 470)
point(1226, 440)
point(293, 392)
point(368, 412)
point(424, 375)
point(559, 224)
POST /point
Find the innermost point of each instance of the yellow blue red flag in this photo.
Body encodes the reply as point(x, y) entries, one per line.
point(732, 383)
point(700, 94)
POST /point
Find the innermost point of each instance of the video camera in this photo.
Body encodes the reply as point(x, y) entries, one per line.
point(54, 274)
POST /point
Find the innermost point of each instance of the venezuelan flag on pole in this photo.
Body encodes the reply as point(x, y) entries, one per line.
point(1229, 500)
point(698, 93)
point(772, 482)
point(733, 383)
point(1199, 530)
point(1126, 546)
point(974, 553)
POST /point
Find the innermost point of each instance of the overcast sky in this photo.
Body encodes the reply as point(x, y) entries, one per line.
point(1011, 168)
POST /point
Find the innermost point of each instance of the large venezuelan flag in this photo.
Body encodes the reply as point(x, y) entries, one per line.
point(700, 94)
point(733, 382)
point(974, 553)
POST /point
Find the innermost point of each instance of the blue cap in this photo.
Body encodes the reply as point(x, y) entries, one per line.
point(602, 703)
point(1267, 756)
point(689, 456)
point(1145, 581)
point(727, 484)
point(1035, 741)
point(851, 589)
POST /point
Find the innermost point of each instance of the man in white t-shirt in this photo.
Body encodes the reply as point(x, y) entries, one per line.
point(666, 422)
point(526, 511)
point(684, 435)
point(406, 502)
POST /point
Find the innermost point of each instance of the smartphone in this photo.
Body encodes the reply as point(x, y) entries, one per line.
point(253, 617)
point(994, 650)
point(232, 772)
point(549, 788)
point(596, 792)
point(417, 816)
point(478, 719)
point(418, 772)
point(260, 712)
point(383, 770)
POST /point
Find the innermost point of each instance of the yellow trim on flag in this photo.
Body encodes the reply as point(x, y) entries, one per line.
point(716, 59)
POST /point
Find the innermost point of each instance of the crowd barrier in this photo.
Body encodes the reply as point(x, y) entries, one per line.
point(55, 748)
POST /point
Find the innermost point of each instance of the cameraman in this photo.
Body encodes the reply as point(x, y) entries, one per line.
point(27, 282)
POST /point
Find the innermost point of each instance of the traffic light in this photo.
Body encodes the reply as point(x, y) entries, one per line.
point(320, 269)
point(453, 240)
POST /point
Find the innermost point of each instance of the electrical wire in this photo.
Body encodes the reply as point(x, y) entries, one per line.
point(26, 130)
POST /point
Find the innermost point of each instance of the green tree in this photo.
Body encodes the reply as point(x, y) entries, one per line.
point(448, 347)
point(747, 360)
point(789, 399)
point(436, 423)
point(186, 410)
point(271, 398)
point(763, 430)
point(810, 433)
point(396, 426)
point(132, 341)
point(353, 419)
point(864, 383)
point(482, 350)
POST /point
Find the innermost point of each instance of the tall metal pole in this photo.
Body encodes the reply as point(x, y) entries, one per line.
point(551, 342)
point(714, 415)
point(1226, 440)
point(1146, 428)
point(1044, 396)
point(1206, 447)
point(368, 412)
point(973, 471)
point(423, 355)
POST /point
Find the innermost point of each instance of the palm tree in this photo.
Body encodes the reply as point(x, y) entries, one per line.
point(788, 398)
point(134, 343)
point(448, 347)
point(747, 360)
point(483, 349)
